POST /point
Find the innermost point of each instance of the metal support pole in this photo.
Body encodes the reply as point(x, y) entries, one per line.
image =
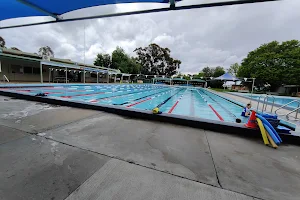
point(115, 78)
point(121, 79)
point(66, 75)
point(50, 74)
point(41, 72)
point(107, 77)
point(83, 75)
point(253, 80)
point(97, 77)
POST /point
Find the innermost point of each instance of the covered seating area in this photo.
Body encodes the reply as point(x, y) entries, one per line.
point(197, 82)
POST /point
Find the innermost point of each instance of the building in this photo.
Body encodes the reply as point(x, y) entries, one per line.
point(22, 67)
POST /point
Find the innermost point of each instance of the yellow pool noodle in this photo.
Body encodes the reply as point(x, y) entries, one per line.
point(263, 131)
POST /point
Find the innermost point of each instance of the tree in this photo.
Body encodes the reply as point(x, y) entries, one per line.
point(15, 48)
point(218, 71)
point(207, 71)
point(123, 62)
point(46, 51)
point(103, 60)
point(2, 42)
point(234, 68)
point(156, 60)
point(274, 63)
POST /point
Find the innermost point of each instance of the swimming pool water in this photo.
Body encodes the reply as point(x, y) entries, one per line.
point(277, 99)
point(187, 101)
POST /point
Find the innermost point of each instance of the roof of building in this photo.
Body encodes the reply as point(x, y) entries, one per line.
point(53, 61)
point(179, 79)
point(197, 80)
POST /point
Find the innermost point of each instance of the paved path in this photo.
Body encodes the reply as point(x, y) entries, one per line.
point(56, 153)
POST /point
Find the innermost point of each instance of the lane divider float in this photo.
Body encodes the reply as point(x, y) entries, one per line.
point(218, 115)
point(173, 107)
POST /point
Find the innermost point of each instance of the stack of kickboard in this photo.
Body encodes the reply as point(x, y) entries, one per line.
point(269, 134)
point(274, 121)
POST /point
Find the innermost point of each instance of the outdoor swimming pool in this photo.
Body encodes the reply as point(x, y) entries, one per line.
point(187, 101)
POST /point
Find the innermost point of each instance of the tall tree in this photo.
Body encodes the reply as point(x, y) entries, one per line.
point(234, 68)
point(103, 60)
point(199, 75)
point(2, 42)
point(46, 51)
point(207, 71)
point(123, 62)
point(274, 63)
point(156, 60)
point(218, 71)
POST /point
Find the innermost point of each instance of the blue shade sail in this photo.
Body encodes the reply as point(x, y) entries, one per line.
point(29, 8)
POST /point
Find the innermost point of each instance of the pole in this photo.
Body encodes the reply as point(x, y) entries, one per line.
point(41, 72)
point(107, 77)
point(97, 77)
point(66, 75)
point(50, 70)
point(253, 80)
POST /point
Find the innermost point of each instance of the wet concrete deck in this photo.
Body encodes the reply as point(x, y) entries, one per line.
point(53, 152)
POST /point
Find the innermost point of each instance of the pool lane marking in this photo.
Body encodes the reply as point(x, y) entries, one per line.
point(159, 94)
point(192, 107)
point(221, 105)
point(218, 115)
point(89, 94)
point(138, 102)
point(173, 107)
point(120, 95)
point(162, 91)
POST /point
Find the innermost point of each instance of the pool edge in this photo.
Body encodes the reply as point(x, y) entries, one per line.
point(201, 123)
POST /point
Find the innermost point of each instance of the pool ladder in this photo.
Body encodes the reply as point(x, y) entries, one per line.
point(296, 111)
point(265, 103)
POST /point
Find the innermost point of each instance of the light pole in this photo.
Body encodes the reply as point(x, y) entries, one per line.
point(253, 81)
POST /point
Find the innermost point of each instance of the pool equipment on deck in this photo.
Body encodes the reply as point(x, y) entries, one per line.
point(268, 132)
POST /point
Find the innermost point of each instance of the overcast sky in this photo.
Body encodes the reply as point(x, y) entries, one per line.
point(199, 37)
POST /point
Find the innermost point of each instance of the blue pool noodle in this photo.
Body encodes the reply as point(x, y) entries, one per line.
point(265, 122)
point(271, 133)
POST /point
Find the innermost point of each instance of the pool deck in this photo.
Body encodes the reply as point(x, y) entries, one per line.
point(55, 152)
point(254, 103)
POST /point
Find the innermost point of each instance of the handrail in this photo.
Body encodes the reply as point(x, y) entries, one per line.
point(286, 105)
point(265, 102)
point(5, 78)
point(295, 110)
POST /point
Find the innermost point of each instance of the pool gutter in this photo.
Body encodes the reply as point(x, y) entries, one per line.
point(201, 123)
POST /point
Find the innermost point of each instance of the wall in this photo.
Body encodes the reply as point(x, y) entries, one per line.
point(18, 70)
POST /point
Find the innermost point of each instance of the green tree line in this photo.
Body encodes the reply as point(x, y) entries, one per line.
point(150, 60)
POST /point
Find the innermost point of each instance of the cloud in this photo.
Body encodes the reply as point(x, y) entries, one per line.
point(201, 37)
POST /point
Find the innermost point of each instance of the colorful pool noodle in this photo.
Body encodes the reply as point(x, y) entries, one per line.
point(262, 131)
point(264, 121)
point(271, 141)
point(271, 133)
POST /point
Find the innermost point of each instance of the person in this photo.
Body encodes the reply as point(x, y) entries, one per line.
point(246, 111)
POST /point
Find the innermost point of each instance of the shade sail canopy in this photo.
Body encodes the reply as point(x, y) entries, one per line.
point(54, 8)
point(227, 77)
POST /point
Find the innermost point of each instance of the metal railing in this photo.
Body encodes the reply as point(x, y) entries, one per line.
point(265, 103)
point(5, 79)
point(295, 110)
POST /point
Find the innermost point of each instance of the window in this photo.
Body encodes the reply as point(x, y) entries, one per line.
point(27, 70)
point(36, 70)
point(16, 69)
point(93, 75)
